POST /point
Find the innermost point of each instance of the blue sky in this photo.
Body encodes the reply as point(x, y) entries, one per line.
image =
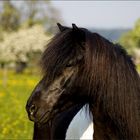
point(99, 14)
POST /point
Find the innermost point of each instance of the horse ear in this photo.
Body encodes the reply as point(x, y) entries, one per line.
point(61, 28)
point(75, 28)
point(78, 32)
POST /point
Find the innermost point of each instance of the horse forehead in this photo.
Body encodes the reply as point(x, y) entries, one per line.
point(50, 99)
point(67, 72)
point(54, 88)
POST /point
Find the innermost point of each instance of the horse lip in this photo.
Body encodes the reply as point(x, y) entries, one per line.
point(31, 116)
point(39, 120)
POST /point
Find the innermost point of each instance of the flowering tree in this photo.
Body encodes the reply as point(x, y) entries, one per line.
point(20, 46)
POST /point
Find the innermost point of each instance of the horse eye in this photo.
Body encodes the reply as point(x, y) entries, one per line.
point(69, 65)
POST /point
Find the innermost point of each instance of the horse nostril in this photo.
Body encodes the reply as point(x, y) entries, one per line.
point(32, 109)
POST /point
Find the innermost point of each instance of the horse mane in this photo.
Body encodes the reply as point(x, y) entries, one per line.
point(57, 50)
point(112, 79)
point(114, 82)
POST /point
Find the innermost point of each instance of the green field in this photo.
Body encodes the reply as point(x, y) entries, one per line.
point(14, 92)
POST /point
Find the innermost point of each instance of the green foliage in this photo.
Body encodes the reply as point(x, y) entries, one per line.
point(131, 40)
point(14, 123)
point(9, 17)
point(27, 13)
point(41, 12)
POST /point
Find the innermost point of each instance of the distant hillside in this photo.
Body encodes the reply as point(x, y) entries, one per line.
point(111, 34)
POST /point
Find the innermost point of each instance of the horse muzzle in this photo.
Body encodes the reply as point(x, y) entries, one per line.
point(31, 110)
point(37, 115)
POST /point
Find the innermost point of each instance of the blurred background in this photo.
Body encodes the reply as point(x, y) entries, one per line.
point(25, 28)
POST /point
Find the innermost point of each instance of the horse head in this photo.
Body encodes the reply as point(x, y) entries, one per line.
point(62, 64)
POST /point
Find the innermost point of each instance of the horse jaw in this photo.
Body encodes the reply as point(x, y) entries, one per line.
point(81, 127)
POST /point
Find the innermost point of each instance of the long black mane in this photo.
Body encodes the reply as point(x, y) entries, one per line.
point(112, 69)
point(109, 75)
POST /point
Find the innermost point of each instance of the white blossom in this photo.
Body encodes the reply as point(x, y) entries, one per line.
point(17, 46)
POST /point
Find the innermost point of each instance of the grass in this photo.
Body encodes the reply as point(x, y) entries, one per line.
point(14, 92)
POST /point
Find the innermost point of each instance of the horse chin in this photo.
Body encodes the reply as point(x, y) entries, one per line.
point(40, 117)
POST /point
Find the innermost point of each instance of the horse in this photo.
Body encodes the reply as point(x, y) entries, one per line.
point(66, 126)
point(81, 67)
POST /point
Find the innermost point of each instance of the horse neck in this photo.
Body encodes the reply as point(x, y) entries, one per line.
point(58, 127)
point(42, 133)
point(114, 86)
point(61, 122)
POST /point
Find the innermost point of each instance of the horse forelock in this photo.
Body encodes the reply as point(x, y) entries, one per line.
point(58, 52)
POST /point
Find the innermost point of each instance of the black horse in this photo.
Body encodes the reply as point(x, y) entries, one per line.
point(82, 67)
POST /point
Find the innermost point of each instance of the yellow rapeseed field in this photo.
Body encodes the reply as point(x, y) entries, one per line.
point(14, 92)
